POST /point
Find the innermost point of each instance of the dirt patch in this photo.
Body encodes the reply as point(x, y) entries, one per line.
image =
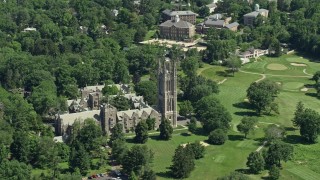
point(304, 89)
point(298, 64)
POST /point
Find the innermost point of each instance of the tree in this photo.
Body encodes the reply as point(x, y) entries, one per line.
point(309, 122)
point(121, 103)
point(274, 172)
point(212, 114)
point(218, 137)
point(137, 158)
point(255, 162)
point(117, 133)
point(149, 174)
point(186, 108)
point(233, 63)
point(262, 94)
point(15, 170)
point(192, 125)
point(141, 132)
point(79, 158)
point(110, 90)
point(151, 122)
point(278, 152)
point(182, 163)
point(165, 129)
point(190, 66)
point(204, 11)
point(197, 149)
point(298, 114)
point(247, 125)
point(88, 134)
point(273, 133)
point(149, 91)
point(119, 149)
point(316, 76)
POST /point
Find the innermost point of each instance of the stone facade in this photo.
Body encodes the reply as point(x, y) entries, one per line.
point(250, 17)
point(167, 88)
point(177, 29)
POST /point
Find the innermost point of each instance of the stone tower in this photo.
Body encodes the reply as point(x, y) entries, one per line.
point(167, 88)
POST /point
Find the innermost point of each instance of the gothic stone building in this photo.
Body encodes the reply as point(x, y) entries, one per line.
point(188, 16)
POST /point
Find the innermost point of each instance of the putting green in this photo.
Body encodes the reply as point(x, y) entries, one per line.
point(292, 85)
point(276, 67)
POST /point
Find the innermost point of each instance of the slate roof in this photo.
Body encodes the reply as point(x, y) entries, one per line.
point(255, 13)
point(180, 13)
point(129, 113)
point(179, 24)
point(69, 119)
point(234, 24)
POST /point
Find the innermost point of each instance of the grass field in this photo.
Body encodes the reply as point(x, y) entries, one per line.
point(291, 79)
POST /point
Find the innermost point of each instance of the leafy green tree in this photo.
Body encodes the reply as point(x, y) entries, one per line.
point(110, 90)
point(274, 132)
point(79, 158)
point(119, 149)
point(298, 114)
point(278, 152)
point(24, 147)
point(149, 174)
point(165, 129)
point(255, 162)
point(89, 132)
point(212, 114)
point(190, 66)
point(218, 136)
point(182, 163)
point(247, 125)
point(117, 133)
point(274, 172)
point(204, 11)
point(141, 131)
point(192, 125)
point(186, 108)
point(133, 176)
point(151, 122)
point(15, 170)
point(262, 95)
point(316, 77)
point(121, 103)
point(149, 91)
point(137, 158)
point(197, 148)
point(233, 63)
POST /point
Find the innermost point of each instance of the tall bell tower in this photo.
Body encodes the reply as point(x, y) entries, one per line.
point(167, 88)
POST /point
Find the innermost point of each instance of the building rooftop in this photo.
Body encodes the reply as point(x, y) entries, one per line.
point(234, 24)
point(129, 113)
point(69, 119)
point(255, 13)
point(180, 13)
point(179, 24)
point(213, 22)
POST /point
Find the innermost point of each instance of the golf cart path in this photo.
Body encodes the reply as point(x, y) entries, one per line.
point(305, 72)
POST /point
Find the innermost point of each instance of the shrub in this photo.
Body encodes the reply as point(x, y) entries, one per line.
point(218, 137)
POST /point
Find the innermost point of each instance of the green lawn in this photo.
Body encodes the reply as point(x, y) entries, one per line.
point(306, 164)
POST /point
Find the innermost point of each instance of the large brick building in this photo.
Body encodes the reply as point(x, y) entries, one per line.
point(188, 16)
point(177, 29)
point(250, 17)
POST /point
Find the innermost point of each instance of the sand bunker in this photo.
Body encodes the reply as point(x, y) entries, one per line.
point(201, 142)
point(304, 89)
point(298, 64)
point(277, 67)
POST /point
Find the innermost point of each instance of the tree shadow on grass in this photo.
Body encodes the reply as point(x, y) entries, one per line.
point(155, 137)
point(246, 113)
point(260, 140)
point(185, 134)
point(312, 95)
point(232, 137)
point(242, 105)
point(243, 171)
point(130, 141)
point(166, 174)
point(295, 139)
point(290, 128)
point(223, 74)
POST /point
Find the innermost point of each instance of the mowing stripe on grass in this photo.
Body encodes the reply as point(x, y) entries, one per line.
point(244, 144)
point(219, 158)
point(304, 173)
